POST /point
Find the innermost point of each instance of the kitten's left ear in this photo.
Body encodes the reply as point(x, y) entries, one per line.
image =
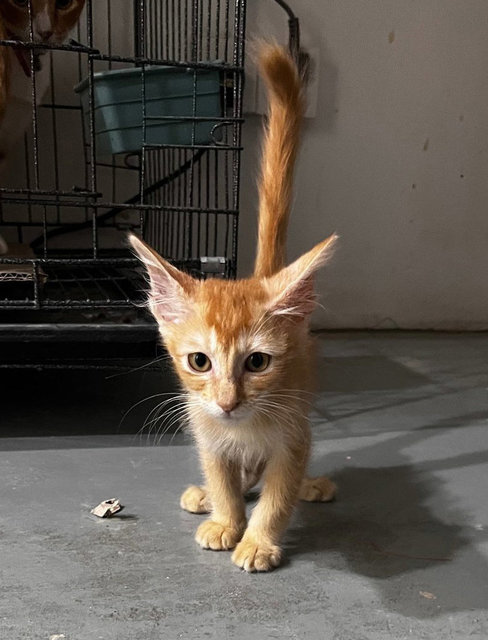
point(171, 290)
point(291, 289)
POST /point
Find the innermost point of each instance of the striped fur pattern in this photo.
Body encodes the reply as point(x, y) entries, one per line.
point(280, 147)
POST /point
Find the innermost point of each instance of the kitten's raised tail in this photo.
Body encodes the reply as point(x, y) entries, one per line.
point(281, 140)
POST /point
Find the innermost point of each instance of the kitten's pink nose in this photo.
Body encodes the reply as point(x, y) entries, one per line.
point(228, 407)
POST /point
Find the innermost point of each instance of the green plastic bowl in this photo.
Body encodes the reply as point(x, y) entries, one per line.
point(170, 94)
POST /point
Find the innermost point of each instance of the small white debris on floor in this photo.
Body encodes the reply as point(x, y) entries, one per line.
point(107, 508)
point(57, 636)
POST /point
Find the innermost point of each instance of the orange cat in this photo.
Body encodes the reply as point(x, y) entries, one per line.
point(243, 354)
point(52, 21)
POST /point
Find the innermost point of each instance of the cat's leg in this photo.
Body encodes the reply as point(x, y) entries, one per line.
point(320, 489)
point(258, 550)
point(228, 519)
point(195, 500)
point(251, 476)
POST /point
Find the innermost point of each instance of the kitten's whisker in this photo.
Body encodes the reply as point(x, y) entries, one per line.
point(292, 403)
point(175, 420)
point(279, 407)
point(283, 414)
point(174, 434)
point(292, 396)
point(276, 416)
point(180, 421)
point(142, 366)
point(321, 306)
point(172, 417)
point(160, 416)
point(296, 391)
point(136, 404)
point(152, 424)
point(276, 411)
point(156, 412)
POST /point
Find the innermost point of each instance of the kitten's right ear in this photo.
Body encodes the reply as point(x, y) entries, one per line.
point(291, 290)
point(170, 289)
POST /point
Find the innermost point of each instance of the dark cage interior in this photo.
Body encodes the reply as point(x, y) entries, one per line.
point(132, 123)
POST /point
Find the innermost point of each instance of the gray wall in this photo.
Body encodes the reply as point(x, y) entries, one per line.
point(396, 160)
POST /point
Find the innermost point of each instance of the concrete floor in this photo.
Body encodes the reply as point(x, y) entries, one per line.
point(401, 423)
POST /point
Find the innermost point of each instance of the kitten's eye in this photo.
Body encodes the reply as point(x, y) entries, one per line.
point(199, 362)
point(63, 4)
point(258, 362)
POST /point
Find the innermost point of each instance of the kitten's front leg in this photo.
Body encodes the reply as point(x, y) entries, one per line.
point(228, 518)
point(259, 548)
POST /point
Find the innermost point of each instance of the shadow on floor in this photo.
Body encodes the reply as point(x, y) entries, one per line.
point(80, 403)
point(366, 373)
point(386, 524)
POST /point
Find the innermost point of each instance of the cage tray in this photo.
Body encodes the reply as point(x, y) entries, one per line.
point(87, 285)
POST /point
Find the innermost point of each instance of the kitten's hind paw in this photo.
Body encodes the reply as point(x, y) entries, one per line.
point(212, 535)
point(195, 500)
point(253, 556)
point(319, 489)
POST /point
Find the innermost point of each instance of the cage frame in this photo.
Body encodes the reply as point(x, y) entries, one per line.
point(91, 199)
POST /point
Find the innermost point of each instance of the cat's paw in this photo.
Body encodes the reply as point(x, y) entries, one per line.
point(320, 489)
point(253, 556)
point(212, 535)
point(195, 500)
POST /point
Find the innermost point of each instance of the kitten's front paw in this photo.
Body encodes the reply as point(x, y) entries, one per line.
point(212, 535)
point(195, 500)
point(253, 556)
point(319, 489)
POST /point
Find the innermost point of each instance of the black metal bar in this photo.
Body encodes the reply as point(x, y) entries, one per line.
point(50, 192)
point(93, 151)
point(71, 261)
point(195, 118)
point(121, 207)
point(138, 34)
point(27, 178)
point(73, 46)
point(167, 62)
point(193, 146)
point(54, 138)
point(37, 298)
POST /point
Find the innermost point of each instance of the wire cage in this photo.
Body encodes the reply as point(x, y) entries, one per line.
point(134, 124)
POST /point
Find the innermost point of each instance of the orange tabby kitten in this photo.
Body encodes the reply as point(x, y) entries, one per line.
point(52, 21)
point(243, 354)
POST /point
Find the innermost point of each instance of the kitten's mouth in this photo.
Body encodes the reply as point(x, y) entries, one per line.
point(24, 59)
point(243, 412)
point(229, 418)
point(234, 417)
point(24, 56)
